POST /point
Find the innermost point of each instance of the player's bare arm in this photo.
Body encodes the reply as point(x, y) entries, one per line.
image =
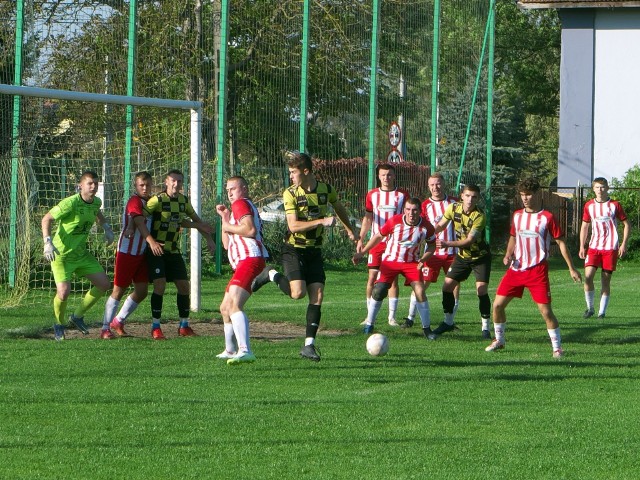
point(204, 228)
point(508, 255)
point(431, 248)
point(298, 226)
point(471, 238)
point(373, 241)
point(141, 225)
point(441, 225)
point(564, 251)
point(367, 222)
point(622, 249)
point(584, 231)
point(343, 215)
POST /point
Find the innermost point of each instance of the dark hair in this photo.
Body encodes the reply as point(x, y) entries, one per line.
point(472, 187)
point(601, 180)
point(385, 166)
point(175, 171)
point(414, 201)
point(299, 160)
point(528, 185)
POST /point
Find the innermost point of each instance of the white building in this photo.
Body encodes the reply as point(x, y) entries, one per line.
point(599, 88)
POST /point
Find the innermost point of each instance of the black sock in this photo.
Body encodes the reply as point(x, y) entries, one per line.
point(448, 302)
point(183, 302)
point(313, 320)
point(485, 306)
point(156, 305)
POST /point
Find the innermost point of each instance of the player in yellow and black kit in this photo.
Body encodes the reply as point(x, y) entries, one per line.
point(170, 211)
point(306, 204)
point(473, 256)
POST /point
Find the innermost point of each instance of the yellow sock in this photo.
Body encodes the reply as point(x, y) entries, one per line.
point(88, 301)
point(59, 309)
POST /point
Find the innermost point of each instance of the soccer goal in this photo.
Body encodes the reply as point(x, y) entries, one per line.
point(58, 134)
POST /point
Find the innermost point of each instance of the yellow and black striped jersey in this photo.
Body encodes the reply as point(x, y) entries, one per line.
point(308, 206)
point(463, 225)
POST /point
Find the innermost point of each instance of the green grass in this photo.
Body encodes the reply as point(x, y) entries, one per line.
point(138, 409)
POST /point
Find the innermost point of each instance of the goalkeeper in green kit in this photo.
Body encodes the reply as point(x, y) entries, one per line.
point(68, 254)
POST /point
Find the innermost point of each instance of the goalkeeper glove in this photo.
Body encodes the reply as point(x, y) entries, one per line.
point(50, 251)
point(108, 234)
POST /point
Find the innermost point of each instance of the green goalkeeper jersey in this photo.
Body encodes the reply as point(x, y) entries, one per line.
point(75, 218)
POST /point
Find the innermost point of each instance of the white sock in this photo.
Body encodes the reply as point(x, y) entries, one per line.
point(393, 306)
point(372, 311)
point(604, 303)
point(412, 307)
point(589, 296)
point(128, 307)
point(485, 323)
point(109, 311)
point(425, 313)
point(240, 324)
point(498, 329)
point(554, 335)
point(229, 338)
point(449, 318)
point(272, 274)
point(309, 341)
point(455, 306)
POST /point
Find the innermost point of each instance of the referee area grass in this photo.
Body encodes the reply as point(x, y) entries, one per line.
point(137, 409)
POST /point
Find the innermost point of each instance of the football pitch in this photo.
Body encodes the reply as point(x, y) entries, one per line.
point(136, 409)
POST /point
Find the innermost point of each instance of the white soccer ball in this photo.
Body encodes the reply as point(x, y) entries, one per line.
point(377, 345)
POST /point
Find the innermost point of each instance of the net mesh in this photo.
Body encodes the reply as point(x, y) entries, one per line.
point(55, 151)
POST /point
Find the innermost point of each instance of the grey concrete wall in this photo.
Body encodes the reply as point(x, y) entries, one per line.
point(575, 154)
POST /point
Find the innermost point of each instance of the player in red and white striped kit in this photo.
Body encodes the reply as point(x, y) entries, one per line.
point(603, 214)
point(405, 234)
point(527, 251)
point(131, 264)
point(433, 210)
point(242, 238)
point(381, 204)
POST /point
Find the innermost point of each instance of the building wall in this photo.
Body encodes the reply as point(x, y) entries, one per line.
point(616, 127)
point(599, 94)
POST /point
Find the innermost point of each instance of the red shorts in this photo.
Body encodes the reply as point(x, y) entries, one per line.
point(434, 264)
point(605, 259)
point(536, 279)
point(375, 256)
point(389, 271)
point(130, 268)
point(245, 272)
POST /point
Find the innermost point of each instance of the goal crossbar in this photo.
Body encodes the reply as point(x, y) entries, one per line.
point(195, 183)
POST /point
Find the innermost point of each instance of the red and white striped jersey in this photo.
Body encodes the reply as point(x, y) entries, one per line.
point(433, 210)
point(604, 218)
point(384, 205)
point(241, 247)
point(533, 233)
point(136, 244)
point(404, 241)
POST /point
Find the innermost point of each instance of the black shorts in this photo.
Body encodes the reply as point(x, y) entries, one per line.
point(461, 268)
point(170, 266)
point(303, 264)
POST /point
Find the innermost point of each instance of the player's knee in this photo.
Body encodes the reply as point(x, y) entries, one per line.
point(297, 294)
point(380, 291)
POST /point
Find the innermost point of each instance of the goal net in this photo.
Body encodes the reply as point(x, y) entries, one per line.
point(59, 138)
